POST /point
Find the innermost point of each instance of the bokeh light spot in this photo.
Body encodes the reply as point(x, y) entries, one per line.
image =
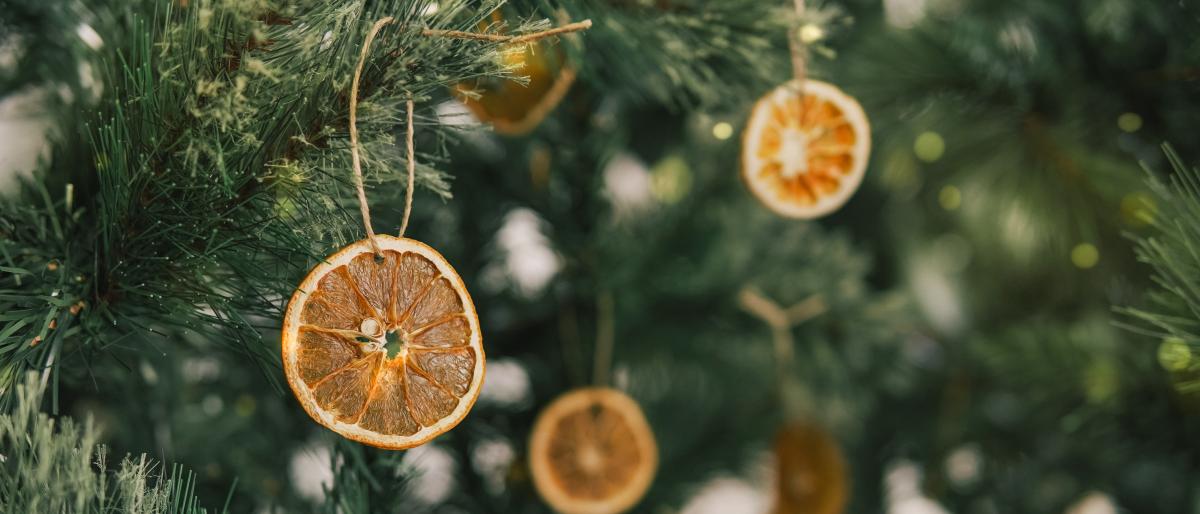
point(929, 146)
point(1085, 255)
point(722, 131)
point(1174, 354)
point(670, 179)
point(1129, 122)
point(950, 198)
point(811, 33)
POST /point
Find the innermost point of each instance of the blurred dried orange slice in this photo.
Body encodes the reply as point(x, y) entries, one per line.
point(514, 108)
point(805, 149)
point(810, 471)
point(592, 452)
point(385, 350)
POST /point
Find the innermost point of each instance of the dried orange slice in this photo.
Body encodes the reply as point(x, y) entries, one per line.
point(810, 472)
point(385, 351)
point(513, 108)
point(805, 149)
point(592, 452)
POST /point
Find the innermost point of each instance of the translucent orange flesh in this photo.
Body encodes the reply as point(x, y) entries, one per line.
point(404, 295)
point(828, 138)
point(592, 453)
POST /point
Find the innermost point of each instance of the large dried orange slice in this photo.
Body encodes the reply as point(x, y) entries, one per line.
point(805, 149)
point(810, 472)
point(592, 452)
point(385, 350)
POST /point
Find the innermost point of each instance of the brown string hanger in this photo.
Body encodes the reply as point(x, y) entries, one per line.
point(798, 50)
point(782, 321)
point(356, 161)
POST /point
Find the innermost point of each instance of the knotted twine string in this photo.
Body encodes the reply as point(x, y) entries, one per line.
point(356, 161)
point(602, 360)
point(782, 321)
point(798, 51)
point(354, 158)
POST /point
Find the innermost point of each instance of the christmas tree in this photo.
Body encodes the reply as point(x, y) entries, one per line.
point(905, 256)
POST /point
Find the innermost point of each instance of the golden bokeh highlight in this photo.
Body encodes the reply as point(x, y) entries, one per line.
point(1129, 122)
point(929, 146)
point(950, 198)
point(722, 131)
point(1085, 256)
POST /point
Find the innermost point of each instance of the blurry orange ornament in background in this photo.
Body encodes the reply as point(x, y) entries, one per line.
point(513, 108)
point(810, 471)
point(384, 350)
point(592, 452)
point(805, 149)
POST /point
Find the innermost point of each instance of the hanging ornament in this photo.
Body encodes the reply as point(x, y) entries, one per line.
point(592, 452)
point(806, 145)
point(381, 342)
point(385, 351)
point(513, 108)
point(810, 471)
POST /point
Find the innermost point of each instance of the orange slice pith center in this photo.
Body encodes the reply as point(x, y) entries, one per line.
point(593, 455)
point(806, 148)
point(385, 344)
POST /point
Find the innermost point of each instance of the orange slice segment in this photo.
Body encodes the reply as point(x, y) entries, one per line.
point(805, 149)
point(592, 452)
point(385, 351)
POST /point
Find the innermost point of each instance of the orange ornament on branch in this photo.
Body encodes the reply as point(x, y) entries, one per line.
point(385, 350)
point(592, 452)
point(805, 149)
point(810, 472)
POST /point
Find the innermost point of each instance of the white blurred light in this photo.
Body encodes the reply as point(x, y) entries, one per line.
point(727, 495)
point(936, 295)
point(526, 256)
point(492, 460)
point(23, 134)
point(430, 9)
point(963, 465)
point(1094, 502)
point(433, 477)
point(904, 495)
point(627, 182)
point(89, 36)
point(507, 383)
point(311, 471)
point(904, 13)
point(1018, 37)
point(455, 114)
point(196, 369)
point(212, 405)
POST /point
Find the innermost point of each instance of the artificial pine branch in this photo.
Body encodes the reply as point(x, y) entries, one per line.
point(1174, 309)
point(56, 465)
point(217, 169)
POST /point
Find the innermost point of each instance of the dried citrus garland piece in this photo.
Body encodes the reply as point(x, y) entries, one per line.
point(805, 149)
point(384, 350)
point(810, 472)
point(592, 452)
